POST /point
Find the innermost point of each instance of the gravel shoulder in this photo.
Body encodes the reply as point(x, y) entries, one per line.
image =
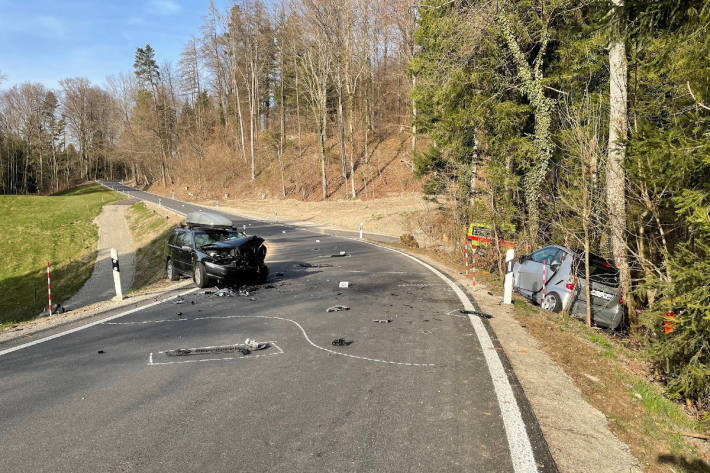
point(113, 233)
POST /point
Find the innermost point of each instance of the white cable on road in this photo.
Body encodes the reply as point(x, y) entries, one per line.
point(303, 331)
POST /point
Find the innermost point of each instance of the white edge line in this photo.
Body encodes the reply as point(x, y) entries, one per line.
point(519, 445)
point(97, 322)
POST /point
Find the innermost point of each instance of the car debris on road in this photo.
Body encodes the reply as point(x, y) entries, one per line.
point(337, 308)
point(341, 342)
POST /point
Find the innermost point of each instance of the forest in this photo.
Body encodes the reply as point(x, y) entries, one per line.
point(577, 121)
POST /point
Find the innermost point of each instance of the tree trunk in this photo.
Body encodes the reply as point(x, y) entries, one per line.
point(341, 129)
point(615, 173)
point(322, 152)
point(414, 117)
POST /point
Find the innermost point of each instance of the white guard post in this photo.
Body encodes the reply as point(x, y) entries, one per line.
point(508, 283)
point(361, 224)
point(116, 274)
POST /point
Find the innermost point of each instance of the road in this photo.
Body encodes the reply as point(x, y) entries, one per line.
point(418, 394)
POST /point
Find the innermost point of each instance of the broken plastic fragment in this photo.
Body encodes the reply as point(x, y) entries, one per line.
point(254, 345)
point(382, 321)
point(339, 342)
point(344, 284)
point(337, 308)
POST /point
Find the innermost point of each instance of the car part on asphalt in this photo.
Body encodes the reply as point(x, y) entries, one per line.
point(225, 292)
point(254, 345)
point(483, 315)
point(344, 284)
point(337, 308)
point(340, 255)
point(382, 321)
point(341, 342)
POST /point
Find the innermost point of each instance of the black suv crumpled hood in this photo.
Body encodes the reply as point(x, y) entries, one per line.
point(239, 243)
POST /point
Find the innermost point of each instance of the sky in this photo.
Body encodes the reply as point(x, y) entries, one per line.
point(48, 40)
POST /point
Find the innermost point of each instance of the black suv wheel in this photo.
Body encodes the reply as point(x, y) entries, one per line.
point(170, 270)
point(199, 275)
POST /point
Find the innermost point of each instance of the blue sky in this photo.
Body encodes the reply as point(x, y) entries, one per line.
point(47, 40)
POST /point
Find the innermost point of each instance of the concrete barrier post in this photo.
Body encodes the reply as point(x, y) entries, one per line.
point(361, 230)
point(116, 274)
point(508, 283)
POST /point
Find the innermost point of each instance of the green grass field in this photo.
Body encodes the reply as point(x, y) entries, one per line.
point(37, 229)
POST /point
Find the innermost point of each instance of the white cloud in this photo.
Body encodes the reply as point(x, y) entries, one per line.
point(165, 7)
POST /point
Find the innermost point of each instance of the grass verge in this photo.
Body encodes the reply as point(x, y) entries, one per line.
point(150, 228)
point(58, 228)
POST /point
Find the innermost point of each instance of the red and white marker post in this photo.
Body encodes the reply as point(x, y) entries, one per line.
point(465, 254)
point(473, 266)
point(49, 290)
point(544, 279)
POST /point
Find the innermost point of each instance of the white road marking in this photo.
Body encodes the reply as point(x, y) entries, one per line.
point(201, 360)
point(303, 331)
point(521, 453)
point(98, 322)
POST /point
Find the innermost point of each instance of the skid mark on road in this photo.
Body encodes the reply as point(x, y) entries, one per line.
point(303, 331)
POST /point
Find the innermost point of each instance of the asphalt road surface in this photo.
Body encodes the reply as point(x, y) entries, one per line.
point(417, 394)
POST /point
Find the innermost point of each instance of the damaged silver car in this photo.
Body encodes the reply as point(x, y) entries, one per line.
point(565, 284)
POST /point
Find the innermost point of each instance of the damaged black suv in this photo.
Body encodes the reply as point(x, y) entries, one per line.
point(209, 249)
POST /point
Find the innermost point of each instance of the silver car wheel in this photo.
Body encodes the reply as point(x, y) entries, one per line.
point(548, 303)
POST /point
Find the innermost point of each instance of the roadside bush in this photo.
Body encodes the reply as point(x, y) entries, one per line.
point(682, 355)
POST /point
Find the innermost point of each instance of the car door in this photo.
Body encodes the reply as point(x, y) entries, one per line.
point(180, 253)
point(188, 244)
point(530, 272)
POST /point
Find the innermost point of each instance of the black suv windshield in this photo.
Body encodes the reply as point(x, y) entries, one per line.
point(207, 237)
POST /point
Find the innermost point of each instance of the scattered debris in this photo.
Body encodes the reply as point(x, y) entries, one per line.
point(225, 292)
point(100, 352)
point(693, 435)
point(382, 321)
point(337, 308)
point(179, 314)
point(243, 292)
point(252, 298)
point(207, 292)
point(317, 241)
point(244, 351)
point(283, 231)
point(482, 315)
point(254, 345)
point(179, 300)
point(490, 293)
point(344, 284)
point(311, 265)
point(591, 378)
point(269, 286)
point(192, 302)
point(340, 342)
point(340, 255)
